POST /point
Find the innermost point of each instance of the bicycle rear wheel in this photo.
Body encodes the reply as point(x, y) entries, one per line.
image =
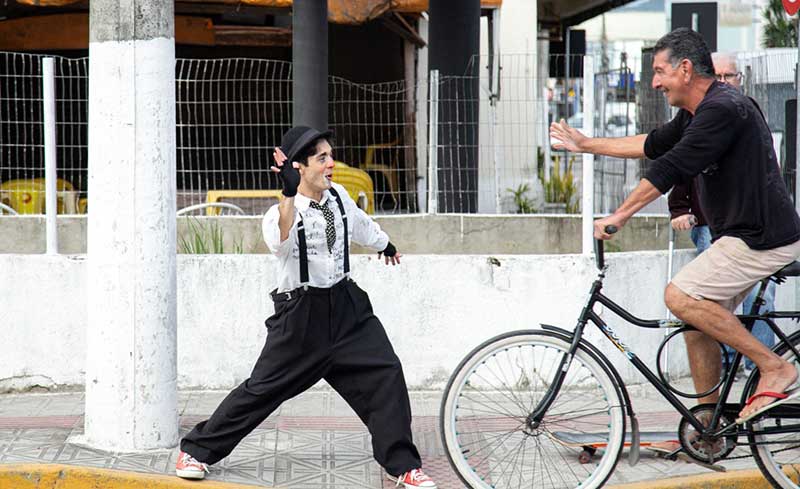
point(491, 393)
point(778, 454)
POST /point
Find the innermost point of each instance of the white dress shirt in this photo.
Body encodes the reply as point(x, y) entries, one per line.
point(325, 268)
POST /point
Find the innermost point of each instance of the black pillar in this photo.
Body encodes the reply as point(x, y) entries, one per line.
point(454, 34)
point(310, 63)
point(698, 16)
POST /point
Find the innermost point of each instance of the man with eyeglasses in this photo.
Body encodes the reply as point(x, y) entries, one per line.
point(730, 77)
point(687, 215)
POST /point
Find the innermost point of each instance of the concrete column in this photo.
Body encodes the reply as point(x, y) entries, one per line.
point(131, 396)
point(310, 63)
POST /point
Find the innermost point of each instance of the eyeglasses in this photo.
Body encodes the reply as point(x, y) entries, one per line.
point(729, 77)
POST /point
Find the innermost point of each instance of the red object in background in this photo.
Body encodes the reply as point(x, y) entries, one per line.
point(791, 6)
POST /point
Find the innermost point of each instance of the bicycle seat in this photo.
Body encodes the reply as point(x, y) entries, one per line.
point(790, 270)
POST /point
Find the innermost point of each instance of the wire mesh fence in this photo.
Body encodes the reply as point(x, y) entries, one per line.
point(616, 109)
point(230, 114)
point(22, 133)
point(492, 151)
point(375, 132)
point(457, 149)
point(513, 136)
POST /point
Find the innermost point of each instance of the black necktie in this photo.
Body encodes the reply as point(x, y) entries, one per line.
point(330, 229)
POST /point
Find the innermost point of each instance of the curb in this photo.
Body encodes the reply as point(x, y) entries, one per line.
point(737, 479)
point(52, 476)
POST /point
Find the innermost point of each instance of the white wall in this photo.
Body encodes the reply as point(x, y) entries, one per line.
point(435, 310)
point(626, 26)
point(509, 137)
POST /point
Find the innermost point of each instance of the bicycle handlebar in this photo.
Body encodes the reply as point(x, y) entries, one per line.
point(598, 247)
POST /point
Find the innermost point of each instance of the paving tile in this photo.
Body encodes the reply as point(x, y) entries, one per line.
point(313, 441)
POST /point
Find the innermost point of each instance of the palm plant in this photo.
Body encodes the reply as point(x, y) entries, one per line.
point(780, 30)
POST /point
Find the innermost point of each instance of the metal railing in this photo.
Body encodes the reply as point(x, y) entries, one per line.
point(448, 144)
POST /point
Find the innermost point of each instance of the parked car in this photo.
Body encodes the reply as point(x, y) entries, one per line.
point(617, 121)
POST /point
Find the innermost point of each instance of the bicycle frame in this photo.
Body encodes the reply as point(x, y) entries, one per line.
point(588, 315)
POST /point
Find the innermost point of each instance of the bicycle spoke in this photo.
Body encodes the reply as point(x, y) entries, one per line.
point(775, 441)
point(490, 410)
point(559, 473)
point(486, 437)
point(563, 422)
point(504, 438)
point(485, 393)
point(513, 400)
point(512, 453)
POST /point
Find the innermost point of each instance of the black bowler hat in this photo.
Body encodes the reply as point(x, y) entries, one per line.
point(299, 138)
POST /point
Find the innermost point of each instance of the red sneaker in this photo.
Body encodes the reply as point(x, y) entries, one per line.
point(414, 478)
point(189, 467)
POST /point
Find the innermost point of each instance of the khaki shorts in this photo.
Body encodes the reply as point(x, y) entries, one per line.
point(728, 269)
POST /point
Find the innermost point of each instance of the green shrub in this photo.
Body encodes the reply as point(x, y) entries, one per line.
point(521, 200)
point(561, 188)
point(205, 239)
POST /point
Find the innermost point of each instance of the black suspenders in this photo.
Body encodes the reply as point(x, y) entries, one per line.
point(301, 241)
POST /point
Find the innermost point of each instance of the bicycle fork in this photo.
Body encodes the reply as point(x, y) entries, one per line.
point(534, 419)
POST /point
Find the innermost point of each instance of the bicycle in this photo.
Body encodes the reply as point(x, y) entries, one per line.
point(525, 408)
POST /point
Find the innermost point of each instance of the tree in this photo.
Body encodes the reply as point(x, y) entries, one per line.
point(780, 31)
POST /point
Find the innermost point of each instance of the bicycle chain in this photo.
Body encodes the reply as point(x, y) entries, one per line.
point(750, 455)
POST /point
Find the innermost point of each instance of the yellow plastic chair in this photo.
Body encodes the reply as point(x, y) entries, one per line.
point(22, 196)
point(358, 184)
point(389, 172)
point(28, 196)
point(217, 196)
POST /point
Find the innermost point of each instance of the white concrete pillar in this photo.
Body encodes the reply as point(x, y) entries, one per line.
point(131, 393)
point(587, 197)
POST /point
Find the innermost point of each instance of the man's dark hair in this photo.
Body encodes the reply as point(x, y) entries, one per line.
point(684, 43)
point(309, 151)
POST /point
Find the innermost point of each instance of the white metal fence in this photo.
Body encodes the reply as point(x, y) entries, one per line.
point(22, 132)
point(230, 114)
point(482, 146)
point(374, 129)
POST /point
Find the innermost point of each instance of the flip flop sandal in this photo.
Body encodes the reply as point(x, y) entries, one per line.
point(780, 398)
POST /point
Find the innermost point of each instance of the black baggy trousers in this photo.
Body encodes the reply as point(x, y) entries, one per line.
point(329, 334)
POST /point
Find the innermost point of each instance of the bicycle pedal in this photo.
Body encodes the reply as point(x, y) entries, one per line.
point(686, 458)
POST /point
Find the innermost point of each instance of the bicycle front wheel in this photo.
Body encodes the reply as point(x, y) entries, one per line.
point(496, 387)
point(775, 438)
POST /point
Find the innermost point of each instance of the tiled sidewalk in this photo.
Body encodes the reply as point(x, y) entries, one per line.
point(313, 441)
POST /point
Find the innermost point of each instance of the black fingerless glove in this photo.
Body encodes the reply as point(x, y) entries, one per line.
point(390, 250)
point(290, 179)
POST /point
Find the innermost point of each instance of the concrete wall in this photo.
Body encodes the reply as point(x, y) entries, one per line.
point(421, 234)
point(435, 310)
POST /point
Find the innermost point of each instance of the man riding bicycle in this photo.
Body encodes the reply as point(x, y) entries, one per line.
point(721, 135)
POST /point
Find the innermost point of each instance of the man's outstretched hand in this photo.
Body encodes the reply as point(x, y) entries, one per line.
point(567, 137)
